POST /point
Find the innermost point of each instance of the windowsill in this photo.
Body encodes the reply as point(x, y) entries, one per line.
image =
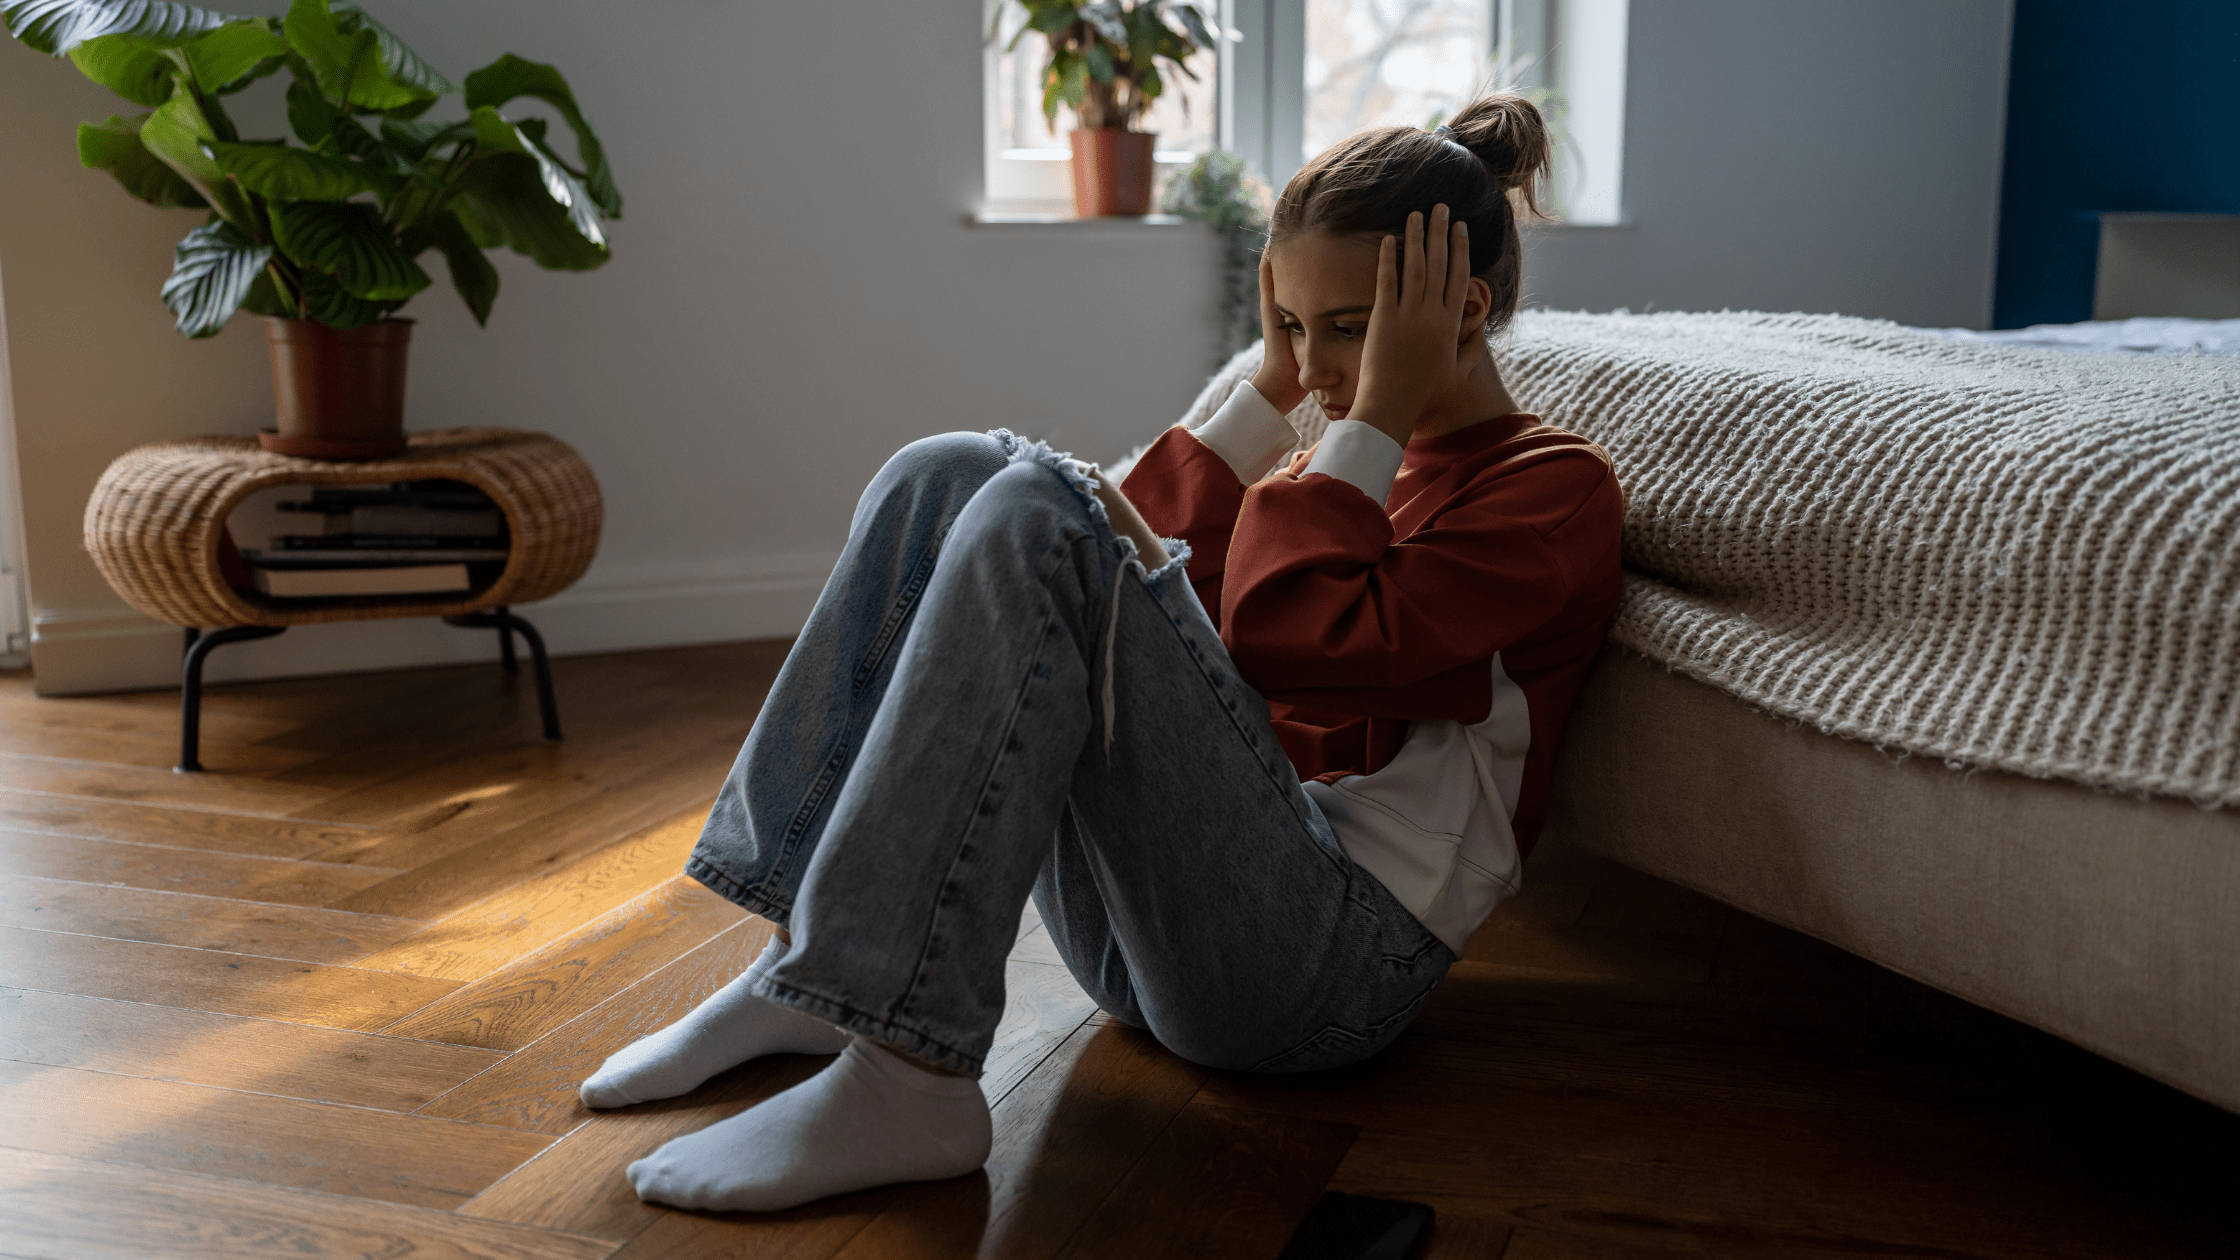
point(1052, 218)
point(1141, 223)
point(1007, 218)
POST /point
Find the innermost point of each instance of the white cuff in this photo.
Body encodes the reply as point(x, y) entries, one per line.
point(1361, 455)
point(1248, 433)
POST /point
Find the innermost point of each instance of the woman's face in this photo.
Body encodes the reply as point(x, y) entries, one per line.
point(1324, 287)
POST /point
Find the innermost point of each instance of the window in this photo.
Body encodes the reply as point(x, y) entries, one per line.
point(1297, 75)
point(1030, 161)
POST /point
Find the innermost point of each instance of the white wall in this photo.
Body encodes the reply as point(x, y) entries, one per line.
point(1810, 155)
point(794, 294)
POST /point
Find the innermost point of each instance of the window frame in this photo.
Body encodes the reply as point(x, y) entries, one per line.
point(1260, 97)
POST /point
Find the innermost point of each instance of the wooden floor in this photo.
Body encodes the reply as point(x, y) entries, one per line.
point(333, 1000)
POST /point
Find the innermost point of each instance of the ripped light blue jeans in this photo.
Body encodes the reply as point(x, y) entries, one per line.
point(993, 699)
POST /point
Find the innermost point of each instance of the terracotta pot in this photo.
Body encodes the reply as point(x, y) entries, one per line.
point(339, 391)
point(1111, 172)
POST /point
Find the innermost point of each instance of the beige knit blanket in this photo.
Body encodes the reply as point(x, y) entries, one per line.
point(2021, 559)
point(2015, 558)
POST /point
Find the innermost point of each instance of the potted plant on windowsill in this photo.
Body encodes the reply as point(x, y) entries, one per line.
point(322, 237)
point(1104, 63)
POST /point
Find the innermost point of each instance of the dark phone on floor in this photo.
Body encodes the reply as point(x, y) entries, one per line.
point(1357, 1227)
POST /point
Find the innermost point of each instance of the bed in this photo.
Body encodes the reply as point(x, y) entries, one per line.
point(1930, 649)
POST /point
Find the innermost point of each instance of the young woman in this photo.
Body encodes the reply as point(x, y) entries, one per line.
point(1264, 748)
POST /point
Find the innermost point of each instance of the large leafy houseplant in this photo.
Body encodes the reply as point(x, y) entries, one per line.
point(329, 229)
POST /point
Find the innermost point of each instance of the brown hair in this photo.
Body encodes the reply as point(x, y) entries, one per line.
point(1482, 165)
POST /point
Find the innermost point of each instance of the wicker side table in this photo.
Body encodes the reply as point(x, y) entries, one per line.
point(155, 520)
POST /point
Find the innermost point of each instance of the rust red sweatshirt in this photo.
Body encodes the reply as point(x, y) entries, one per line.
point(1419, 621)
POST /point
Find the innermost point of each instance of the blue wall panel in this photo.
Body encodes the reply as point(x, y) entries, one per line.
point(2112, 105)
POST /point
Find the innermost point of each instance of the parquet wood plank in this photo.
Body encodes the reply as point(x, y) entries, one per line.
point(439, 873)
point(1630, 901)
point(151, 751)
point(1042, 1007)
point(357, 1151)
point(1675, 1171)
point(523, 1000)
point(173, 826)
point(1485, 1002)
point(1652, 957)
point(1218, 1181)
point(217, 788)
point(1626, 1063)
point(812, 1232)
point(206, 980)
point(535, 1087)
point(152, 713)
point(499, 929)
point(1540, 906)
point(1063, 1139)
point(362, 729)
point(169, 918)
point(284, 881)
point(1532, 1243)
point(1455, 1236)
point(230, 1051)
point(145, 1213)
point(481, 791)
point(1036, 946)
point(577, 1185)
point(481, 717)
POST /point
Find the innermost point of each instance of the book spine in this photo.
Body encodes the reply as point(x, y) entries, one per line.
point(257, 558)
point(391, 542)
point(342, 498)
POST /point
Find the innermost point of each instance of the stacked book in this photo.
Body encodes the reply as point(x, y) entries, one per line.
point(408, 538)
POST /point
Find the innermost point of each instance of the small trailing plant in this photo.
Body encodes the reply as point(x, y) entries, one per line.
point(1104, 56)
point(1220, 191)
point(328, 229)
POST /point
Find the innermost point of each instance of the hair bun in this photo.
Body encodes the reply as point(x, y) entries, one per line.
point(1505, 131)
point(1482, 166)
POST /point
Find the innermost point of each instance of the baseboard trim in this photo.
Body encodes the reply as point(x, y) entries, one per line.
point(616, 607)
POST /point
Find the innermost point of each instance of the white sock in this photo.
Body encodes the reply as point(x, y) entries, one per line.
point(729, 1028)
point(869, 1119)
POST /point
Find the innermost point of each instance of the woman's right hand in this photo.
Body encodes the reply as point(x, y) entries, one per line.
point(1278, 377)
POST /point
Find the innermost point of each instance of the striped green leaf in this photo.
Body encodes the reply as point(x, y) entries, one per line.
point(55, 27)
point(348, 62)
point(347, 241)
point(211, 272)
point(284, 174)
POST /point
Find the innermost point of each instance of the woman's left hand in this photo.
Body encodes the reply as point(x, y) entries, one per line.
point(1413, 350)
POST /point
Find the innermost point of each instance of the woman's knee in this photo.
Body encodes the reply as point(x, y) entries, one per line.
point(947, 467)
point(1029, 499)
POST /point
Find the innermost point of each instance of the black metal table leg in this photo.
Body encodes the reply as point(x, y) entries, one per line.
point(199, 648)
point(504, 621)
point(505, 643)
